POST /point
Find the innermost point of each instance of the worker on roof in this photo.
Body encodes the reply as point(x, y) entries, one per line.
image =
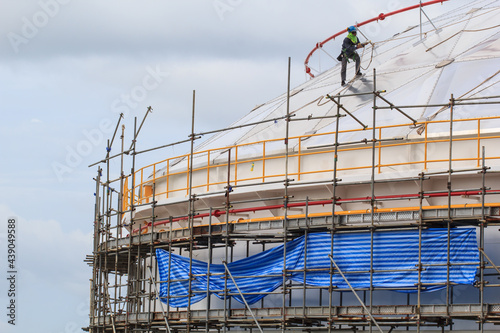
point(349, 46)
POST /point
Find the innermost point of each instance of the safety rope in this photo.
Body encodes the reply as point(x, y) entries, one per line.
point(441, 70)
point(371, 57)
point(391, 39)
point(485, 88)
point(447, 39)
point(421, 128)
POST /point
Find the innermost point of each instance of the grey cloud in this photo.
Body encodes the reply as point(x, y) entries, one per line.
point(174, 28)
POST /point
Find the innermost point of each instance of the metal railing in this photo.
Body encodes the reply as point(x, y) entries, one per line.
point(166, 169)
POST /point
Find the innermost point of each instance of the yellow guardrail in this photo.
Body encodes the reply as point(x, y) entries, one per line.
point(141, 189)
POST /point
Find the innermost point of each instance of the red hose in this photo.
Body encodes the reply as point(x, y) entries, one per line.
point(381, 16)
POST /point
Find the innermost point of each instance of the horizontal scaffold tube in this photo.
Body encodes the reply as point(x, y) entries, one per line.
point(218, 213)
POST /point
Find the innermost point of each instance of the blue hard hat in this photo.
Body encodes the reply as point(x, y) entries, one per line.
point(351, 29)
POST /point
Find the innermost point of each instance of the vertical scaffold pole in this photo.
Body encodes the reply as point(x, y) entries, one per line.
point(129, 255)
point(170, 235)
point(419, 268)
point(420, 11)
point(102, 260)
point(285, 220)
point(151, 257)
point(334, 206)
point(138, 269)
point(304, 290)
point(119, 218)
point(106, 230)
point(190, 217)
point(263, 249)
point(95, 267)
point(109, 209)
point(449, 222)
point(226, 241)
point(153, 254)
point(481, 239)
point(210, 255)
point(372, 185)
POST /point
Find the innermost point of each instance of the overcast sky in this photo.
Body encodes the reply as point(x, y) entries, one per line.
point(68, 68)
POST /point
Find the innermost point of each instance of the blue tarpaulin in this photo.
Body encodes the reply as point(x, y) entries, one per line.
point(392, 250)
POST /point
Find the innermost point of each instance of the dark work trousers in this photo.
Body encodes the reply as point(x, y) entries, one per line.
point(356, 58)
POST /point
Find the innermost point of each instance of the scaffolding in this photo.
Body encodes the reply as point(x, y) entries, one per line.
point(125, 280)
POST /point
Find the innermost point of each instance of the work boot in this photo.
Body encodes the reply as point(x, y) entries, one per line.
point(359, 73)
point(343, 83)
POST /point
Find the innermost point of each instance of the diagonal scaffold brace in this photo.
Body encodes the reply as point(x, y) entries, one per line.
point(242, 297)
point(161, 303)
point(148, 111)
point(355, 294)
point(378, 94)
point(107, 297)
point(491, 262)
point(347, 111)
